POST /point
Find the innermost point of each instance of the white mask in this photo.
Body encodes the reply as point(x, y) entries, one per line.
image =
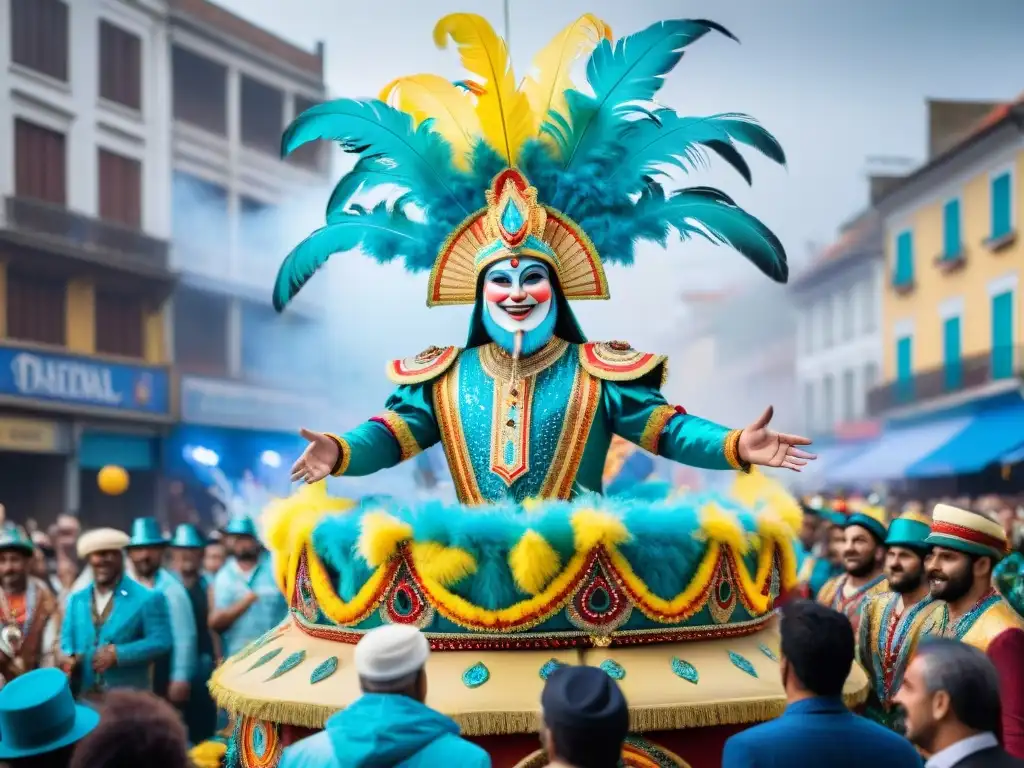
point(517, 293)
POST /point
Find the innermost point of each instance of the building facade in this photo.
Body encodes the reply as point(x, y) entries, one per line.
point(84, 269)
point(951, 309)
point(249, 377)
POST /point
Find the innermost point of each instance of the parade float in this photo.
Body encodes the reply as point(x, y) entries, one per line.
point(513, 195)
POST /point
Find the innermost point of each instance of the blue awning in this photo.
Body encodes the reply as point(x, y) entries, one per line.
point(897, 450)
point(988, 437)
point(1013, 457)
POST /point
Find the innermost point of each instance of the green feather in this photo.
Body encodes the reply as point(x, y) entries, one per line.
point(712, 214)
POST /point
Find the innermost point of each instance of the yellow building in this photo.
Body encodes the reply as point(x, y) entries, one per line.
point(951, 307)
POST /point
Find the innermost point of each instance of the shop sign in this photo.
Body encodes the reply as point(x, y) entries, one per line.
point(31, 436)
point(77, 381)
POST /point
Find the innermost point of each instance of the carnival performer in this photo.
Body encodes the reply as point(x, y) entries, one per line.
point(114, 628)
point(172, 676)
point(519, 194)
point(27, 606)
point(966, 547)
point(863, 559)
point(891, 622)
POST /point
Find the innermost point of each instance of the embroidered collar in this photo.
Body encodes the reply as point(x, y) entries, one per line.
point(498, 363)
point(964, 624)
point(840, 600)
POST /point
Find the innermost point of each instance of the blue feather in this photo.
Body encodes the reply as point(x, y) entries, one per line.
point(368, 173)
point(622, 76)
point(382, 234)
point(668, 139)
point(375, 129)
point(712, 214)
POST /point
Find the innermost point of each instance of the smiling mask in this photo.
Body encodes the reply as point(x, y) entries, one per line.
point(518, 297)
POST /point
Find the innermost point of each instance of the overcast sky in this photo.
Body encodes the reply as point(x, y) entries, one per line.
point(836, 80)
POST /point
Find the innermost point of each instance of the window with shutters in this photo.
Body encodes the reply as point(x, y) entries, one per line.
point(200, 91)
point(262, 116)
point(119, 324)
point(120, 66)
point(40, 164)
point(308, 155)
point(36, 308)
point(120, 189)
point(201, 332)
point(39, 36)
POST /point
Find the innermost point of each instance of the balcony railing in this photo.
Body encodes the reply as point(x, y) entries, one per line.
point(968, 373)
point(91, 238)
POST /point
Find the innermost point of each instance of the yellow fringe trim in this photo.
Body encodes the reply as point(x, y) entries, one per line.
point(656, 423)
point(380, 537)
point(641, 719)
point(732, 450)
point(445, 565)
point(346, 454)
point(533, 562)
point(407, 444)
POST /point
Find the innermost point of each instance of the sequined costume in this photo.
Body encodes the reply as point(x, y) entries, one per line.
point(835, 595)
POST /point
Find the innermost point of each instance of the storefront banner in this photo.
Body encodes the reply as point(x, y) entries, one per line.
point(83, 382)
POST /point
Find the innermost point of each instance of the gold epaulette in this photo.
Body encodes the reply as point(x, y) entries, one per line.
point(427, 365)
point(618, 361)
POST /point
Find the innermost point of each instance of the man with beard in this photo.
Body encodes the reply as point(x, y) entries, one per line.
point(817, 569)
point(114, 628)
point(245, 600)
point(891, 623)
point(186, 560)
point(863, 554)
point(172, 677)
point(26, 603)
point(966, 547)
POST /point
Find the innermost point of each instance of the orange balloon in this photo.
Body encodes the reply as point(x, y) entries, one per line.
point(112, 480)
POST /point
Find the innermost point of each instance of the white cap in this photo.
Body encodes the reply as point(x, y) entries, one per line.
point(391, 652)
point(101, 540)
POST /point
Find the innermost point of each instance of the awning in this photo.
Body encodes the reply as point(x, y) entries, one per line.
point(819, 473)
point(897, 449)
point(988, 437)
point(1013, 457)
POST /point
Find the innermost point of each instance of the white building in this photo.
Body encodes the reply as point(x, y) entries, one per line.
point(839, 342)
point(84, 225)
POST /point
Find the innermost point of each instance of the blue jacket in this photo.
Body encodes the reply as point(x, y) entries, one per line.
point(138, 626)
point(819, 733)
point(385, 730)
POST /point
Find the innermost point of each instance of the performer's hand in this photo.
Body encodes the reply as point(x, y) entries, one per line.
point(763, 447)
point(319, 458)
point(179, 691)
point(67, 664)
point(105, 658)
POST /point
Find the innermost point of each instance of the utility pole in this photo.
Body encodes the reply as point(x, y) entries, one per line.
point(507, 9)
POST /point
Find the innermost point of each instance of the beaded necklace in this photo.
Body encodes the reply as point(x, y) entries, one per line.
point(892, 648)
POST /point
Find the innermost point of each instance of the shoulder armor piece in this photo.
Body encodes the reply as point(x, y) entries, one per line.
point(427, 365)
point(618, 361)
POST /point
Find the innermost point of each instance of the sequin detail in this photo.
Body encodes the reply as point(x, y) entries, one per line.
point(767, 652)
point(476, 675)
point(324, 670)
point(685, 670)
point(966, 622)
point(265, 658)
point(291, 662)
point(613, 669)
point(741, 662)
point(548, 668)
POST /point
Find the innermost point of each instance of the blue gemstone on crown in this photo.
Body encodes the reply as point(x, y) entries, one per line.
point(512, 220)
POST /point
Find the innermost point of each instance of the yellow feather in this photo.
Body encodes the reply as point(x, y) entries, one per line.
point(445, 565)
point(533, 562)
point(451, 108)
point(551, 72)
point(754, 488)
point(505, 117)
point(380, 537)
point(718, 525)
point(592, 527)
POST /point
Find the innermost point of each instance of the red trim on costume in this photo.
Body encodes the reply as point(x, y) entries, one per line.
point(593, 359)
point(680, 409)
point(400, 370)
point(968, 534)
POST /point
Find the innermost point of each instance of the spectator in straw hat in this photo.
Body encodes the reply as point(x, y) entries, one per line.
point(966, 546)
point(114, 629)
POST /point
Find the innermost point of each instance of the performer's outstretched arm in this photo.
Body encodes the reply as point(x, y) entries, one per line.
point(403, 429)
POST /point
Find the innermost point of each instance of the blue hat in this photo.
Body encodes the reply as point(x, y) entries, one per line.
point(14, 538)
point(910, 530)
point(241, 525)
point(871, 519)
point(39, 715)
point(585, 698)
point(187, 536)
point(146, 533)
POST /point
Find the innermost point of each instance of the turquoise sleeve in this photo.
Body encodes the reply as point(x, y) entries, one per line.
point(640, 414)
point(403, 429)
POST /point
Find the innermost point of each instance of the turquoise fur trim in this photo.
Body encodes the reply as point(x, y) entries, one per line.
point(476, 675)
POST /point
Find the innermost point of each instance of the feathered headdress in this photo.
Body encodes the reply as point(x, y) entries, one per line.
point(489, 167)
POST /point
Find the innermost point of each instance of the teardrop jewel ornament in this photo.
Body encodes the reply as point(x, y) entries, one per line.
point(613, 669)
point(685, 670)
point(512, 219)
point(476, 675)
point(743, 663)
point(324, 670)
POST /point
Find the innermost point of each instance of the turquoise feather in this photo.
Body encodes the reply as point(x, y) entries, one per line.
point(720, 221)
point(668, 139)
point(621, 77)
point(368, 173)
